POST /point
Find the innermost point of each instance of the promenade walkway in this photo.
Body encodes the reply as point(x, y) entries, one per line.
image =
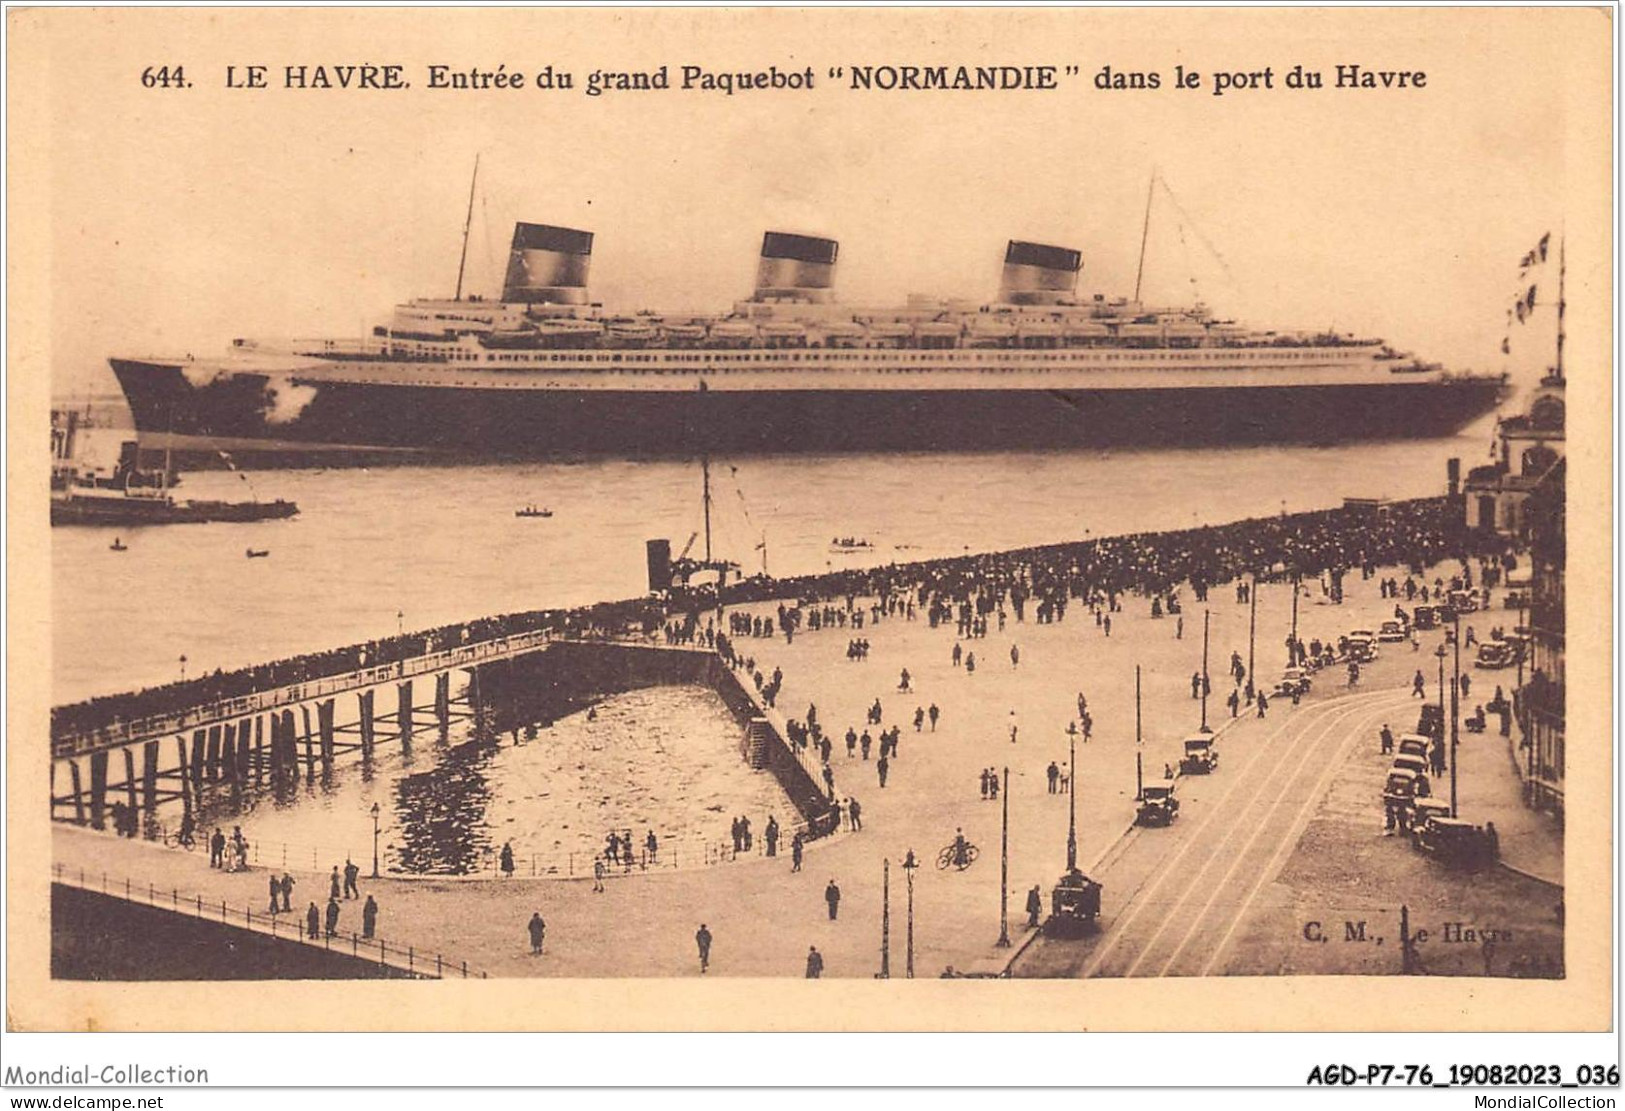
point(762, 915)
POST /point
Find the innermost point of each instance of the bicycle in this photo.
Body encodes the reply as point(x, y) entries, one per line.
point(180, 839)
point(952, 857)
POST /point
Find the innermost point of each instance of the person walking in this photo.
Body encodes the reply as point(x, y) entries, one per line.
point(598, 874)
point(1234, 701)
point(332, 916)
point(335, 887)
point(1035, 907)
point(507, 859)
point(815, 963)
point(1263, 705)
point(217, 849)
point(276, 889)
point(1015, 656)
point(287, 891)
point(771, 835)
point(796, 843)
point(1053, 774)
point(881, 767)
point(933, 714)
point(538, 932)
point(832, 897)
point(851, 743)
point(1418, 685)
point(369, 917)
point(854, 814)
point(351, 874)
point(1387, 736)
point(702, 938)
point(313, 922)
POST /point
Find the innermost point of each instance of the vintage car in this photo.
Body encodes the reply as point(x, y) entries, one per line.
point(1410, 744)
point(1158, 806)
point(1520, 640)
point(1425, 617)
point(1293, 681)
point(1517, 599)
point(1430, 722)
point(1417, 764)
point(1496, 654)
point(1400, 787)
point(1200, 756)
point(1456, 842)
point(1393, 631)
point(1074, 904)
point(1424, 811)
point(1362, 646)
point(1464, 601)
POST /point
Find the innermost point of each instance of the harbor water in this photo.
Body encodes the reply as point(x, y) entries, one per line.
point(378, 550)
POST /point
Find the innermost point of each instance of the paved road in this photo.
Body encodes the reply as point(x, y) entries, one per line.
point(1176, 899)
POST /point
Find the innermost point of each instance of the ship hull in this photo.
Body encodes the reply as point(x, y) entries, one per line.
point(301, 421)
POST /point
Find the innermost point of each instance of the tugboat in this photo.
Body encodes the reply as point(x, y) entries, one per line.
point(532, 511)
point(847, 544)
point(133, 496)
point(259, 553)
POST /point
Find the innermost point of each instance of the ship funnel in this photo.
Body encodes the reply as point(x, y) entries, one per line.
point(1037, 274)
point(548, 265)
point(796, 268)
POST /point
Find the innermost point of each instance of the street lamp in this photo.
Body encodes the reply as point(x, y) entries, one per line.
point(910, 865)
point(183, 667)
point(375, 840)
point(1004, 869)
point(885, 919)
point(1455, 713)
point(400, 622)
point(1072, 802)
point(1252, 632)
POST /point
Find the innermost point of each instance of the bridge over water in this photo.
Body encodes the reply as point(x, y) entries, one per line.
point(271, 737)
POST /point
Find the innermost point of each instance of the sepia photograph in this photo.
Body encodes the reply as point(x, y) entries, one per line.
point(539, 498)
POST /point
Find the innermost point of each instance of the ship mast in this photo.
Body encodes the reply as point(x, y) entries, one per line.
point(1145, 230)
point(705, 475)
point(468, 222)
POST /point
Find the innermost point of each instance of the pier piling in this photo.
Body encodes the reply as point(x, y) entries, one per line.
point(364, 702)
point(324, 721)
point(403, 693)
point(78, 793)
point(149, 781)
point(98, 790)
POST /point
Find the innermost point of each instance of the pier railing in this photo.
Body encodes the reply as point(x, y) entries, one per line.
point(286, 925)
point(685, 853)
point(78, 742)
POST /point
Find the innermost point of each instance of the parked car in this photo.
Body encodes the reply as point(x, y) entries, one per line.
point(1412, 745)
point(1456, 842)
point(1362, 646)
point(1417, 764)
point(1495, 654)
point(1424, 811)
point(1393, 631)
point(1074, 905)
point(1158, 806)
point(1430, 722)
point(1400, 786)
point(1294, 680)
point(1464, 601)
point(1200, 756)
point(1425, 617)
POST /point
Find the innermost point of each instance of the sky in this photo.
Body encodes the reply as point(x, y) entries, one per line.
point(182, 218)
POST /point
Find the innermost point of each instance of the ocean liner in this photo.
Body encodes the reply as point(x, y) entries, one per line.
point(545, 372)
